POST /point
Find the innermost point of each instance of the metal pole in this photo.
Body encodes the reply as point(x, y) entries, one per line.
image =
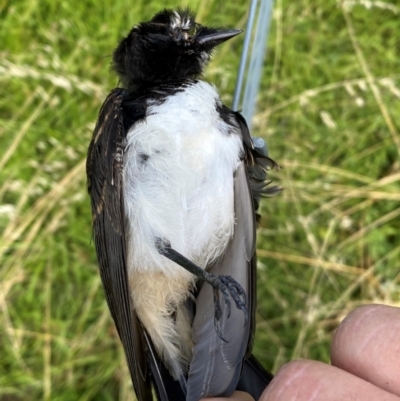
point(243, 58)
point(258, 51)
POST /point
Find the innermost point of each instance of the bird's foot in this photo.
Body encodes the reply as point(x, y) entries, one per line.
point(229, 288)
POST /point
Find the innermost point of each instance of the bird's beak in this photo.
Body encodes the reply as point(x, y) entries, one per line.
point(216, 38)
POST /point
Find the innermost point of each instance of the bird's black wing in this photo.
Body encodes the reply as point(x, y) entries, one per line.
point(257, 165)
point(257, 162)
point(254, 378)
point(105, 184)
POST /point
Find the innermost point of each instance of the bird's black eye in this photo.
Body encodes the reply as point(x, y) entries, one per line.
point(191, 30)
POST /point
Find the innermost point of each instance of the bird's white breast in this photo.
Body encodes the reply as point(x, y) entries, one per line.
point(178, 178)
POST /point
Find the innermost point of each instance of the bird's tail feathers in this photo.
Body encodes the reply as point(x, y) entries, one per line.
point(166, 387)
point(254, 378)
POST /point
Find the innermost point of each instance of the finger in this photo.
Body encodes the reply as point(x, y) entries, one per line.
point(367, 344)
point(236, 396)
point(316, 381)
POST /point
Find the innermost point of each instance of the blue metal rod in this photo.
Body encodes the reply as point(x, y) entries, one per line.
point(245, 51)
point(258, 52)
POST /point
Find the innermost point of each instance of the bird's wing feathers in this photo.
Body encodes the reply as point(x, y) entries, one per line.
point(166, 388)
point(105, 185)
point(216, 365)
point(257, 163)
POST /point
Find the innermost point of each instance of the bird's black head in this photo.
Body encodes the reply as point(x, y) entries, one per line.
point(171, 46)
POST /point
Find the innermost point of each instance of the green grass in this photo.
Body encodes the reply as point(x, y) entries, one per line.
point(328, 107)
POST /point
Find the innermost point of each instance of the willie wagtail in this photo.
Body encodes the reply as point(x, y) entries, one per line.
point(172, 174)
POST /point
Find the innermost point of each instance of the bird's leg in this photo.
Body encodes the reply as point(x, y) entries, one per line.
point(224, 284)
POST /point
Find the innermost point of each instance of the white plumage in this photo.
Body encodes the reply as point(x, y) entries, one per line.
point(178, 186)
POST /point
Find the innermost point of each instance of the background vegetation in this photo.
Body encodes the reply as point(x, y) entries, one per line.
point(329, 243)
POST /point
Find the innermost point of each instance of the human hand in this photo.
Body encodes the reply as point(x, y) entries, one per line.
point(365, 366)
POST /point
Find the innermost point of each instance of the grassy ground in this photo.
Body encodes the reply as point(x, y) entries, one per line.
point(330, 242)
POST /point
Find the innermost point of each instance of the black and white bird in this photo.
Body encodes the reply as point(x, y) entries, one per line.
point(172, 174)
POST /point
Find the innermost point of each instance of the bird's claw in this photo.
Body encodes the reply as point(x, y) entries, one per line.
point(229, 288)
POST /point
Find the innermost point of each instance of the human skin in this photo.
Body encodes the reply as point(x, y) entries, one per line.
point(365, 357)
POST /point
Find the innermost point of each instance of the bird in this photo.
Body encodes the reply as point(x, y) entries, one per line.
point(174, 179)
